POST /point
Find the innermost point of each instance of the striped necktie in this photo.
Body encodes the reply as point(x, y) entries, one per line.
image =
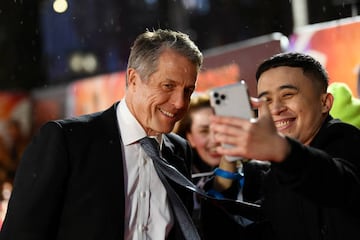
point(151, 147)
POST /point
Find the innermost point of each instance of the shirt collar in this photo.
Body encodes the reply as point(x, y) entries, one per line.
point(126, 121)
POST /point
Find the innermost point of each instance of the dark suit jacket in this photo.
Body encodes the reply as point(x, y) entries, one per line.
point(69, 184)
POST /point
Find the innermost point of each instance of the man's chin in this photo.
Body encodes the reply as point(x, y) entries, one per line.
point(163, 129)
point(167, 130)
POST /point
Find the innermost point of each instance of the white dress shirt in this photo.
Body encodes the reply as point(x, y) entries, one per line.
point(147, 210)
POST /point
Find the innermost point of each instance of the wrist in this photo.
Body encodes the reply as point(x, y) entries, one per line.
point(284, 149)
point(226, 174)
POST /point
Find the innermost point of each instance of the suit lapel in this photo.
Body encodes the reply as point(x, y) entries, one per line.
point(115, 153)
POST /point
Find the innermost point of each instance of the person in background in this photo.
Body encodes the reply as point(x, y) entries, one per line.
point(7, 168)
point(195, 128)
point(312, 189)
point(6, 188)
point(89, 178)
point(17, 144)
point(7, 165)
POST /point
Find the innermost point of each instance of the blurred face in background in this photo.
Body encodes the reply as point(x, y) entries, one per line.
point(200, 137)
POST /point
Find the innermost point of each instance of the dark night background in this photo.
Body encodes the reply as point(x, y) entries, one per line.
point(37, 43)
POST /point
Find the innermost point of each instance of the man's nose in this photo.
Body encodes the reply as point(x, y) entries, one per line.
point(179, 100)
point(277, 106)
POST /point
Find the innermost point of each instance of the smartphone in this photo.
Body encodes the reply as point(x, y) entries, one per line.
point(232, 100)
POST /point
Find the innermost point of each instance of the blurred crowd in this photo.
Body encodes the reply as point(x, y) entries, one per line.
point(11, 150)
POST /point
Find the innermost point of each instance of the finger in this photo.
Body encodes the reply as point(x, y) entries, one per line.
point(265, 117)
point(264, 110)
point(255, 102)
point(228, 121)
point(225, 129)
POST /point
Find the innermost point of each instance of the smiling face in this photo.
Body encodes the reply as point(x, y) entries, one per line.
point(200, 137)
point(297, 106)
point(161, 100)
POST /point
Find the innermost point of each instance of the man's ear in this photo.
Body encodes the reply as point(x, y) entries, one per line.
point(132, 76)
point(327, 100)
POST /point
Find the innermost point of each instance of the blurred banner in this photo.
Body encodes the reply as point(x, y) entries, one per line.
point(239, 61)
point(336, 45)
point(95, 93)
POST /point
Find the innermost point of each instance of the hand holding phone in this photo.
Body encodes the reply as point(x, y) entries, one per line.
point(232, 100)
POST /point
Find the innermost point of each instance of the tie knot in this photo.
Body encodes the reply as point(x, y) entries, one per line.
point(150, 146)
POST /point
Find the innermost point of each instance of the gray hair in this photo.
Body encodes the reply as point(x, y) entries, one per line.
point(148, 47)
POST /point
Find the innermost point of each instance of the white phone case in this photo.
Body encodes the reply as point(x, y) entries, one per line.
point(232, 100)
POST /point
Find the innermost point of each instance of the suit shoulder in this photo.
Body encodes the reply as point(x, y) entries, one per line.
point(79, 120)
point(84, 125)
point(336, 126)
point(176, 138)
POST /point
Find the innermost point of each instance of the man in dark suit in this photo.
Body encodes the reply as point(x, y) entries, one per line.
point(88, 177)
point(312, 187)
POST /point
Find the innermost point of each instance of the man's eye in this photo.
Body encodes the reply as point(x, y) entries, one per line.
point(168, 86)
point(288, 95)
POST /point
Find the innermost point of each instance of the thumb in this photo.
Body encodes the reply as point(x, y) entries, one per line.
point(264, 110)
point(265, 117)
